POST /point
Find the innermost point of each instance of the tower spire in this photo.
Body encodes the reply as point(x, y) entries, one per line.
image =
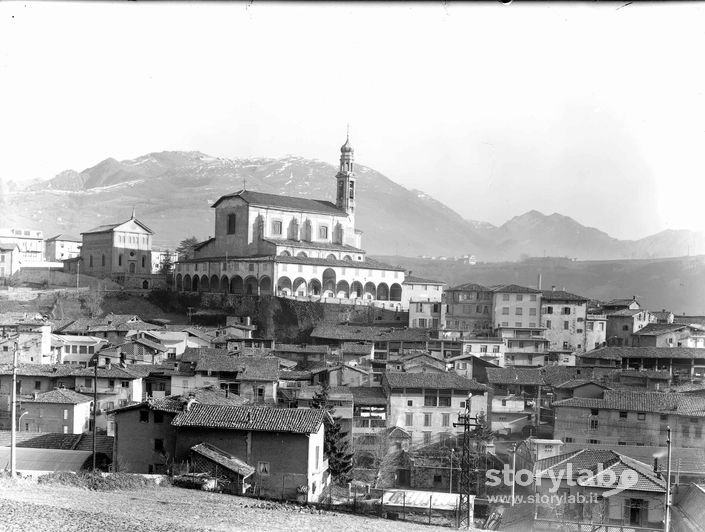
point(133, 213)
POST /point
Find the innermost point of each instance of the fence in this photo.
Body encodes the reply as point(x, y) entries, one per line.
point(576, 526)
point(427, 507)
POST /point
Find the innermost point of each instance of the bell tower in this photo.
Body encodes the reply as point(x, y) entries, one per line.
point(345, 196)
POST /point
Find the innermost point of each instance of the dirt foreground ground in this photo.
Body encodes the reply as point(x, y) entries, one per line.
point(28, 506)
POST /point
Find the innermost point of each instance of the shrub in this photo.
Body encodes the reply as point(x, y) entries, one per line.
point(99, 482)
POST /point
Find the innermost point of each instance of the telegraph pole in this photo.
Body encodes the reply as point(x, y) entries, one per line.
point(465, 508)
point(13, 415)
point(95, 405)
point(667, 519)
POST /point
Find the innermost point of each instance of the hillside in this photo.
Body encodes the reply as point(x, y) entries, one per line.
point(172, 192)
point(676, 284)
point(31, 507)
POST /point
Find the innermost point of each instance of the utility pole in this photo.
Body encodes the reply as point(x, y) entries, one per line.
point(465, 508)
point(667, 528)
point(13, 415)
point(450, 487)
point(95, 404)
point(78, 271)
point(514, 469)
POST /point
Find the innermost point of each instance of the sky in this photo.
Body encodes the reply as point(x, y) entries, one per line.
point(594, 110)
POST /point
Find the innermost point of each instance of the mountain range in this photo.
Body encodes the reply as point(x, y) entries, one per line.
point(173, 191)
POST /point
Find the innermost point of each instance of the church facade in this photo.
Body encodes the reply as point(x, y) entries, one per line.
point(266, 244)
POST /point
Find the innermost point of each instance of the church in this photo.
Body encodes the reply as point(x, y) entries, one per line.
point(266, 244)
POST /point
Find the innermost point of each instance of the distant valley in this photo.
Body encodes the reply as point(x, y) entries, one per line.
point(172, 193)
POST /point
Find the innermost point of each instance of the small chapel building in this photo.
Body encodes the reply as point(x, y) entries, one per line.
point(267, 244)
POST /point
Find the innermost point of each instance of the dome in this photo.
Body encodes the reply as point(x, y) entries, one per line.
point(347, 147)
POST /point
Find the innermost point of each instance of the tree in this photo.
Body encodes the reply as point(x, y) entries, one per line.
point(185, 250)
point(167, 267)
point(340, 459)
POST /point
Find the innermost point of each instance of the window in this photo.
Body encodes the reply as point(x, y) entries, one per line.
point(444, 400)
point(505, 297)
point(446, 420)
point(125, 384)
point(483, 349)
point(566, 310)
point(549, 310)
point(698, 432)
point(409, 403)
point(625, 327)
point(505, 311)
point(495, 349)
point(686, 431)
point(568, 439)
point(143, 261)
point(594, 442)
point(111, 383)
point(158, 444)
point(323, 232)
point(517, 324)
point(462, 404)
point(520, 297)
point(429, 400)
point(593, 424)
point(88, 383)
point(90, 261)
point(663, 417)
point(231, 224)
point(532, 297)
point(102, 261)
point(548, 324)
point(276, 227)
point(120, 259)
point(426, 438)
point(623, 415)
point(594, 411)
point(144, 416)
point(409, 422)
point(566, 345)
point(427, 419)
point(566, 325)
point(158, 417)
point(532, 311)
point(504, 402)
point(37, 385)
point(318, 455)
point(519, 311)
point(66, 413)
point(263, 469)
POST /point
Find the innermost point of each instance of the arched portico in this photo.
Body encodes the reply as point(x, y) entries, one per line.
point(224, 284)
point(302, 254)
point(314, 287)
point(383, 292)
point(195, 283)
point(328, 282)
point(179, 282)
point(370, 291)
point(395, 292)
point(356, 290)
point(300, 287)
point(265, 286)
point(236, 285)
point(284, 286)
point(251, 285)
point(205, 284)
point(342, 290)
point(214, 283)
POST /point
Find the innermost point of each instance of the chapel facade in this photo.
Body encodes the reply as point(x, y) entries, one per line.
point(267, 244)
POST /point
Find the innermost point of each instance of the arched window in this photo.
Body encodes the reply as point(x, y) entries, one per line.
point(231, 224)
point(143, 260)
point(120, 259)
point(90, 261)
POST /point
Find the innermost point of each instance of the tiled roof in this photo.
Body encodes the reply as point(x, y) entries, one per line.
point(38, 370)
point(440, 381)
point(699, 320)
point(192, 354)
point(471, 287)
point(619, 353)
point(514, 289)
point(112, 372)
point(288, 203)
point(576, 383)
point(224, 459)
point(554, 375)
point(561, 295)
point(414, 279)
point(662, 313)
point(175, 403)
point(525, 376)
point(368, 264)
point(64, 238)
point(357, 348)
point(314, 245)
point(654, 329)
point(295, 420)
point(259, 369)
point(618, 302)
point(294, 375)
point(110, 227)
point(368, 395)
point(646, 374)
point(574, 465)
point(294, 348)
point(626, 312)
point(368, 333)
point(8, 247)
point(152, 345)
point(638, 401)
point(60, 396)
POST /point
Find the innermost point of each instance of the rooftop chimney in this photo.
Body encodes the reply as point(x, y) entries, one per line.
point(538, 283)
point(553, 288)
point(657, 469)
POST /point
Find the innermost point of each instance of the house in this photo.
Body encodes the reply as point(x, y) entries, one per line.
point(451, 344)
point(688, 512)
point(525, 347)
point(622, 324)
point(578, 388)
point(120, 251)
point(664, 316)
point(426, 404)
point(303, 353)
point(76, 349)
point(471, 366)
point(145, 441)
point(616, 305)
point(231, 472)
point(137, 350)
point(516, 306)
point(29, 242)
point(630, 417)
point(470, 308)
point(564, 316)
point(668, 335)
point(32, 342)
point(599, 477)
point(595, 331)
point(417, 288)
point(9, 259)
point(266, 244)
point(682, 363)
point(425, 314)
point(115, 328)
point(517, 399)
point(256, 379)
point(59, 410)
point(61, 247)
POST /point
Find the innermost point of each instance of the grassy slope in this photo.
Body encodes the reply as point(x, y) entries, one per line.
point(26, 505)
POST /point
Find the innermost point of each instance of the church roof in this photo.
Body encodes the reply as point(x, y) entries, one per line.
point(313, 245)
point(111, 227)
point(367, 264)
point(287, 203)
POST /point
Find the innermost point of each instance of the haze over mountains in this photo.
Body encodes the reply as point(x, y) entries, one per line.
point(172, 193)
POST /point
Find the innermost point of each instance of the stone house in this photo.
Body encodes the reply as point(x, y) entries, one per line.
point(59, 410)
